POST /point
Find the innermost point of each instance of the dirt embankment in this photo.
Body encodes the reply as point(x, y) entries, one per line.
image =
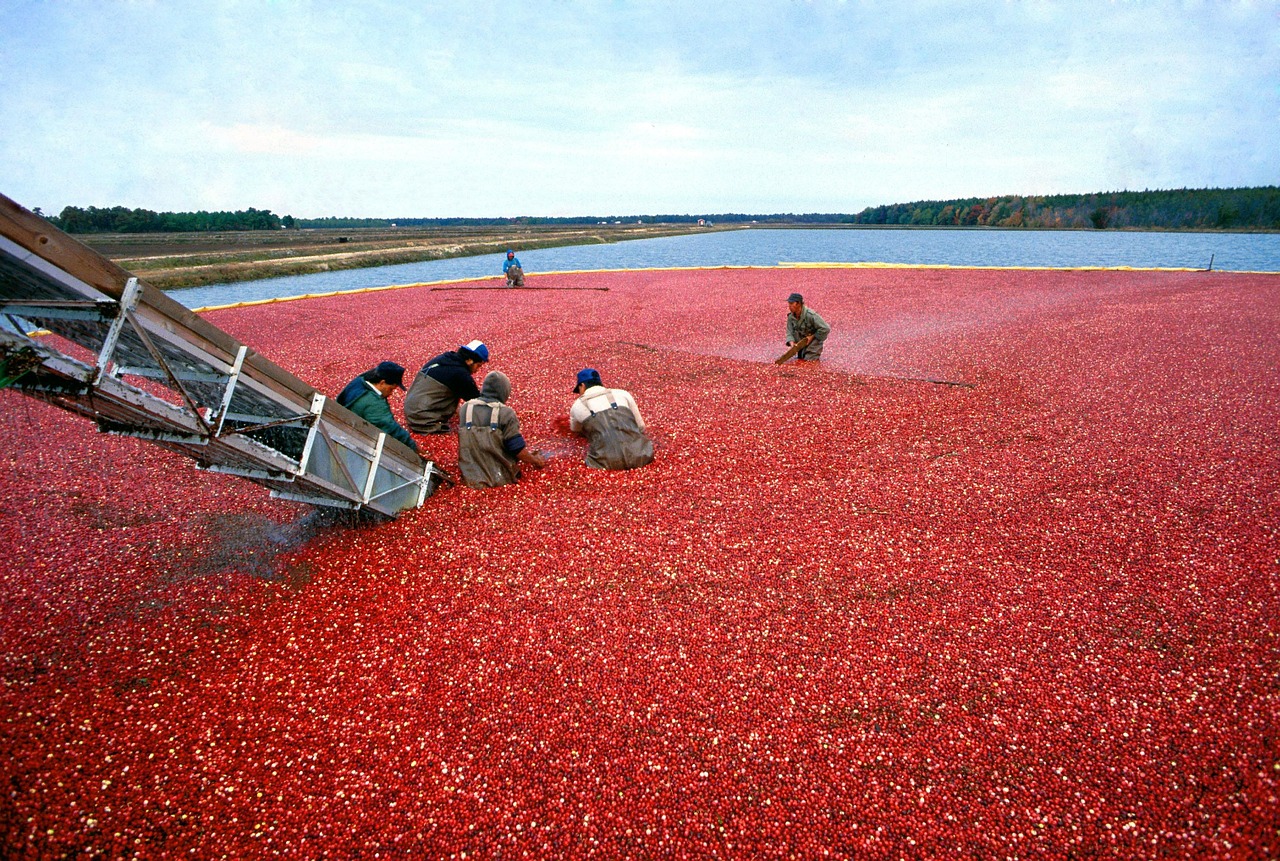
point(169, 260)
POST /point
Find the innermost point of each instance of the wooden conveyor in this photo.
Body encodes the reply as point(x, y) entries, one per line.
point(138, 363)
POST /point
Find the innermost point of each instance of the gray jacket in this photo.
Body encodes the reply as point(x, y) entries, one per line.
point(489, 436)
point(808, 323)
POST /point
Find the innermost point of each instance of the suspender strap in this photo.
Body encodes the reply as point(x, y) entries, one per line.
point(613, 402)
point(471, 406)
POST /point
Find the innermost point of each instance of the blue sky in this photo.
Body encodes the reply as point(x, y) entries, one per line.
point(402, 109)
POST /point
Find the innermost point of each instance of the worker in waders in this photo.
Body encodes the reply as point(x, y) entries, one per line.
point(442, 382)
point(515, 272)
point(610, 419)
point(368, 396)
point(804, 323)
point(491, 448)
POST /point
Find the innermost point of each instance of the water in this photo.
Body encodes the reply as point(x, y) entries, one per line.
point(769, 247)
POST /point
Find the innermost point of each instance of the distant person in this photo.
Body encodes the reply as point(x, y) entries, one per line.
point(491, 448)
point(515, 272)
point(804, 326)
point(442, 382)
point(610, 419)
point(369, 395)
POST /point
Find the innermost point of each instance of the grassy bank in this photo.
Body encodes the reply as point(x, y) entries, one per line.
point(172, 260)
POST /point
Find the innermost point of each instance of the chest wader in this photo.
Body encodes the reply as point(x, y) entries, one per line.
point(482, 460)
point(616, 440)
point(428, 405)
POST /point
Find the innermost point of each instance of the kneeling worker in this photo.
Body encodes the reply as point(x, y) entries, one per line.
point(368, 394)
point(442, 382)
point(610, 419)
point(515, 272)
point(490, 446)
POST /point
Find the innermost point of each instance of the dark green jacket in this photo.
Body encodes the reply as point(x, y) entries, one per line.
point(373, 408)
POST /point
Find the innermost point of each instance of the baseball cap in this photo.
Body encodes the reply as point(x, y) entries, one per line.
point(477, 349)
point(589, 376)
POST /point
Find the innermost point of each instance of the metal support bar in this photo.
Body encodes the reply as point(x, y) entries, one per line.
point(373, 467)
point(236, 366)
point(294, 496)
point(67, 310)
point(128, 300)
point(117, 429)
point(245, 472)
point(342, 466)
point(301, 417)
point(153, 374)
point(432, 469)
point(425, 487)
point(317, 405)
point(164, 366)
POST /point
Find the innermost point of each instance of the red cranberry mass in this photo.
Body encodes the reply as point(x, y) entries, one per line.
point(996, 578)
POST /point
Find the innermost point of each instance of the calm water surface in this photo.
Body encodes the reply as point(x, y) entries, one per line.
point(766, 247)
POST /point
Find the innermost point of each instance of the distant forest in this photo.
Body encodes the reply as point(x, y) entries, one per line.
point(119, 219)
point(1180, 209)
point(1174, 209)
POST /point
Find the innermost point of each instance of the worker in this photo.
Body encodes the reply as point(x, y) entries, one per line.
point(804, 325)
point(490, 446)
point(515, 272)
point(440, 385)
point(610, 419)
point(368, 396)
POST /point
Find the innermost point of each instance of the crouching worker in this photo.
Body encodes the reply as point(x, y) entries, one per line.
point(805, 326)
point(368, 396)
point(515, 272)
point(442, 382)
point(490, 447)
point(610, 419)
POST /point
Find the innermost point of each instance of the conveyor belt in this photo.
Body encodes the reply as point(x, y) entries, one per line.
point(134, 361)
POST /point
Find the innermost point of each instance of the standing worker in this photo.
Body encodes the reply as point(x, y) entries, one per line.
point(804, 325)
point(490, 445)
point(610, 419)
point(368, 396)
point(515, 272)
point(442, 382)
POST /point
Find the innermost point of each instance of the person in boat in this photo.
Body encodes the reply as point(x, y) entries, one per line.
point(514, 271)
point(440, 385)
point(369, 396)
point(611, 421)
point(491, 448)
point(804, 324)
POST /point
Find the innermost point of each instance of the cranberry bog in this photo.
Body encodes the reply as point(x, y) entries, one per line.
point(997, 578)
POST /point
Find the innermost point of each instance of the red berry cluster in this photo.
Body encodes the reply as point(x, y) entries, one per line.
point(996, 579)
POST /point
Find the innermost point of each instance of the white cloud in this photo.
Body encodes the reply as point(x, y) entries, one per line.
point(546, 109)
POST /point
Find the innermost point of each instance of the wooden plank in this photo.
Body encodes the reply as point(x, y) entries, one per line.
point(44, 240)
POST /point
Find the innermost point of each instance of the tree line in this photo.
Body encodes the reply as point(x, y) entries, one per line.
point(1173, 209)
point(120, 219)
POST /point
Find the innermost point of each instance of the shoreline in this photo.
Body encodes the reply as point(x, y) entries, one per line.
point(175, 261)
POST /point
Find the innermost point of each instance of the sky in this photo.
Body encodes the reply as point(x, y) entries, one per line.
point(537, 108)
